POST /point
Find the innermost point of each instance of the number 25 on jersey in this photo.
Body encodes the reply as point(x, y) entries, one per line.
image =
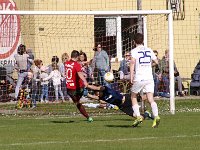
point(145, 57)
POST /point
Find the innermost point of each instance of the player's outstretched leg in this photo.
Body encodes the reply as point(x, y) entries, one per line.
point(148, 115)
point(156, 122)
point(83, 112)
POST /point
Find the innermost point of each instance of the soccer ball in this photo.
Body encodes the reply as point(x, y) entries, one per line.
point(109, 77)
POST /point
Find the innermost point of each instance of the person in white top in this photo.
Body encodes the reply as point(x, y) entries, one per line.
point(44, 84)
point(35, 81)
point(142, 78)
point(56, 77)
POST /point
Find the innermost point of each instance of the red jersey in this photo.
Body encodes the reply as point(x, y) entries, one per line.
point(73, 81)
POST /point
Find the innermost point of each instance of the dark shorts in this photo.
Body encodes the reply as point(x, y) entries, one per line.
point(126, 107)
point(75, 94)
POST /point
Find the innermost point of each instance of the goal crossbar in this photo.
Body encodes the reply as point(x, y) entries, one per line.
point(134, 12)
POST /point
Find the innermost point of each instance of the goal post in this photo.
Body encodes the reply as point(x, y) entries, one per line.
point(119, 40)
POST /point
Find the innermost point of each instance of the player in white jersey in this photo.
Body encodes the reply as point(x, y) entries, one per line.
point(142, 78)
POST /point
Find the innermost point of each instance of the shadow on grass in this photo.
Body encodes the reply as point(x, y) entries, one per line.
point(119, 126)
point(70, 121)
point(123, 119)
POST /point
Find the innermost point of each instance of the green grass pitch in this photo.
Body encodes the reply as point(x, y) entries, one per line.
point(109, 132)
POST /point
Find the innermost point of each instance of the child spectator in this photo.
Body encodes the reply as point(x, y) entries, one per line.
point(54, 60)
point(36, 78)
point(56, 77)
point(44, 84)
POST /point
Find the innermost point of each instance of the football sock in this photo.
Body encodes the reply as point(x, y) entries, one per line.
point(82, 110)
point(154, 108)
point(136, 110)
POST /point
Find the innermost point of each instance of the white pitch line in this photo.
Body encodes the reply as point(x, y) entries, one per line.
point(97, 141)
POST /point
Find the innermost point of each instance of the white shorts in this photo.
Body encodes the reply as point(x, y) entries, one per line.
point(147, 86)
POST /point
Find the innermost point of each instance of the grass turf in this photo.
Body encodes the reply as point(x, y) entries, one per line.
point(176, 132)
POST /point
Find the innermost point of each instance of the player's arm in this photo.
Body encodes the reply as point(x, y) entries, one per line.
point(80, 74)
point(132, 68)
point(107, 60)
point(49, 77)
point(93, 87)
point(93, 96)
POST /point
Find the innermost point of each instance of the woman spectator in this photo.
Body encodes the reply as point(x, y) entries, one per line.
point(84, 63)
point(65, 57)
point(85, 69)
point(101, 63)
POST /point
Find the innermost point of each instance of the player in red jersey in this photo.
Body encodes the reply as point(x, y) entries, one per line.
point(75, 82)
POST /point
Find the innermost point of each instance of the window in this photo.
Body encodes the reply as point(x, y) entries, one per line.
point(105, 33)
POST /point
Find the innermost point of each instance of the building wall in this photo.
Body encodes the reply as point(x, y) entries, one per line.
point(54, 40)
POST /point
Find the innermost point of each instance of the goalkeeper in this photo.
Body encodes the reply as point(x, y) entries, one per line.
point(112, 96)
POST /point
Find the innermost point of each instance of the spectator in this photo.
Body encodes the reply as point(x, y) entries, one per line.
point(84, 64)
point(156, 74)
point(35, 81)
point(164, 65)
point(76, 82)
point(101, 63)
point(124, 68)
point(21, 66)
point(89, 72)
point(84, 67)
point(54, 60)
point(65, 57)
point(31, 57)
point(56, 77)
point(44, 85)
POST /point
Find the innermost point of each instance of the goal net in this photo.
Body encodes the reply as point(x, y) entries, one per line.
point(47, 34)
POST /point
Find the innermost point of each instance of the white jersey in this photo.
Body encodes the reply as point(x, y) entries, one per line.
point(143, 58)
point(56, 77)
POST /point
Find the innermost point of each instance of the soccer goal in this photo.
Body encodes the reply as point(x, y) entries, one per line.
point(52, 33)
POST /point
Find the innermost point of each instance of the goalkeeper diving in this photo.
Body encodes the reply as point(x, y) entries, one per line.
point(109, 95)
